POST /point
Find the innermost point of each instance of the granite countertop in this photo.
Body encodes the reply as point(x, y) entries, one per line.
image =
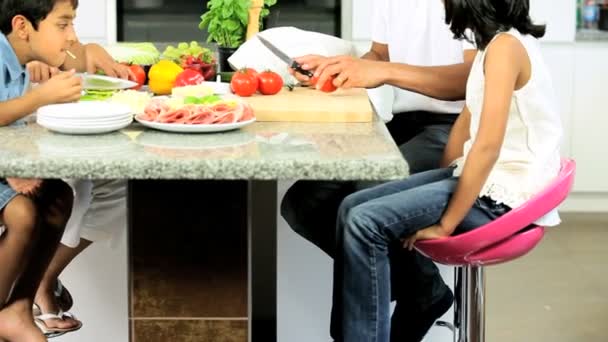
point(263, 151)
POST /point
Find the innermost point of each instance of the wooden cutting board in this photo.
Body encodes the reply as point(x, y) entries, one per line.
point(311, 105)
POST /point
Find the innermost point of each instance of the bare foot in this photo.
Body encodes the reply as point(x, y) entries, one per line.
point(17, 324)
point(45, 299)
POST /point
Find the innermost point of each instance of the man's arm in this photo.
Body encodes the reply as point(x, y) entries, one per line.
point(93, 57)
point(378, 52)
point(441, 82)
point(80, 62)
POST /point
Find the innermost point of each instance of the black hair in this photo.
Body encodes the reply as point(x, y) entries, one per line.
point(33, 10)
point(486, 18)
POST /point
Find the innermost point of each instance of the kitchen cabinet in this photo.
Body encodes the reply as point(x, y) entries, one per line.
point(590, 117)
point(96, 21)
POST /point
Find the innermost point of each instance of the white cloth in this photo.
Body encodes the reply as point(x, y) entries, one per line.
point(99, 211)
point(293, 42)
point(530, 154)
point(416, 34)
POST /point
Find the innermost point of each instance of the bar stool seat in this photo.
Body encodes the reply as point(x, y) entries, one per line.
point(504, 239)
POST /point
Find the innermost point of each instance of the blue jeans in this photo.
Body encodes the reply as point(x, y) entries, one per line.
point(311, 208)
point(369, 222)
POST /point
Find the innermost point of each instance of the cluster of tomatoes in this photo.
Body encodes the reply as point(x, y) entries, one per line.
point(248, 81)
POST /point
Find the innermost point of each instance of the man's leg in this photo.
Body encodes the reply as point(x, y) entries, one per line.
point(310, 209)
point(422, 300)
point(425, 150)
point(100, 208)
point(45, 298)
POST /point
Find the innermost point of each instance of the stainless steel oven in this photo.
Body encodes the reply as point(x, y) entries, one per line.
point(177, 20)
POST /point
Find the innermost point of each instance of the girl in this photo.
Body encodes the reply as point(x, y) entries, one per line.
point(503, 149)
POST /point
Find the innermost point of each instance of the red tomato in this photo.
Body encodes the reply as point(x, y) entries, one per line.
point(328, 87)
point(270, 82)
point(139, 73)
point(252, 72)
point(243, 83)
point(188, 77)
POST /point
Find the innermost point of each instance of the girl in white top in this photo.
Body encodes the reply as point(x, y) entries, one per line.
point(504, 148)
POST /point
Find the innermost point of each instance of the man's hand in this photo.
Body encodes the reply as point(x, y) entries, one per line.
point(97, 58)
point(436, 231)
point(40, 72)
point(308, 62)
point(349, 72)
point(61, 88)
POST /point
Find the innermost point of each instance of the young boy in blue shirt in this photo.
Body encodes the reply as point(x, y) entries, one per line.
point(33, 212)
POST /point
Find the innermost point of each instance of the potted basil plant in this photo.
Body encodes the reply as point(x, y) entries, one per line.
point(226, 24)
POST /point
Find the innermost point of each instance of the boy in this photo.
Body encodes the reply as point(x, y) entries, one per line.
point(35, 219)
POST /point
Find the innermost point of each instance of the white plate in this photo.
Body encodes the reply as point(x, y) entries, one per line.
point(201, 128)
point(87, 122)
point(44, 122)
point(84, 130)
point(101, 82)
point(88, 109)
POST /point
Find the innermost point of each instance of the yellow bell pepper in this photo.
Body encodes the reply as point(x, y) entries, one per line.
point(162, 75)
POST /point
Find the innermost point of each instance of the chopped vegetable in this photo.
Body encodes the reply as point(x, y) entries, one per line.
point(209, 99)
point(134, 53)
point(136, 100)
point(97, 95)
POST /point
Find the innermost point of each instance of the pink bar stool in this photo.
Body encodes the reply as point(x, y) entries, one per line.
point(507, 238)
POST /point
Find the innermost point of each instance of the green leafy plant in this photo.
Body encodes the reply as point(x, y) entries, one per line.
point(226, 20)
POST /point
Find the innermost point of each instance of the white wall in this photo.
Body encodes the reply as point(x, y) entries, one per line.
point(560, 15)
point(97, 280)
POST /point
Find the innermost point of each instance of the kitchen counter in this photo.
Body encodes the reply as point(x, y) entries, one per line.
point(261, 154)
point(591, 36)
point(262, 151)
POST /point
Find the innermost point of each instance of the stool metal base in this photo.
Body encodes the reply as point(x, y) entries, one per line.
point(469, 305)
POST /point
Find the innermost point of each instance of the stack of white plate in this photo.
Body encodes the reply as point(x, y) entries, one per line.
point(87, 117)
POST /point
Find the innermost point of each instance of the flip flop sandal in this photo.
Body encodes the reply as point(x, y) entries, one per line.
point(63, 297)
point(41, 319)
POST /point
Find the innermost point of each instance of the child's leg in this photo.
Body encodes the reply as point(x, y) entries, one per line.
point(54, 203)
point(364, 269)
point(355, 200)
point(367, 231)
point(20, 218)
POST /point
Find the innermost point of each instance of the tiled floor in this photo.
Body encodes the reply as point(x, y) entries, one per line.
point(557, 293)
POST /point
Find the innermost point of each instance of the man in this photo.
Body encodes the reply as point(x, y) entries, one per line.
point(414, 51)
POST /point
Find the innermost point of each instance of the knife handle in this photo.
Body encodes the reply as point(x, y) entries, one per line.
point(298, 68)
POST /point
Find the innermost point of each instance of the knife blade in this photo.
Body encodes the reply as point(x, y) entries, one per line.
point(284, 57)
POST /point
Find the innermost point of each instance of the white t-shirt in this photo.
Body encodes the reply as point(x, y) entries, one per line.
point(416, 33)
